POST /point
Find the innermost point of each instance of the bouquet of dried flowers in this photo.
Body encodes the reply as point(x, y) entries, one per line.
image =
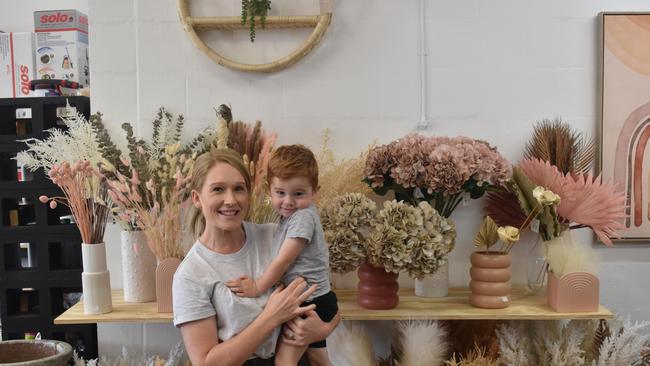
point(399, 237)
point(255, 146)
point(439, 170)
point(86, 196)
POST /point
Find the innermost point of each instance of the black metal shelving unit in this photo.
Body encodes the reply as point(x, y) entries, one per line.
point(40, 254)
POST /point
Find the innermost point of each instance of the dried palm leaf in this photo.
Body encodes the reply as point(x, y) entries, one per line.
point(555, 142)
point(595, 204)
point(503, 207)
point(487, 233)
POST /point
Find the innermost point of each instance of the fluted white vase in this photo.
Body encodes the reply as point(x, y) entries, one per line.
point(435, 284)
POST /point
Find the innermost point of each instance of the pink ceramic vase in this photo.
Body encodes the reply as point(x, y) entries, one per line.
point(576, 292)
point(490, 284)
point(164, 278)
point(377, 288)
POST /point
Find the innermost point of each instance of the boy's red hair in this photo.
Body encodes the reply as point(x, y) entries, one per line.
point(290, 161)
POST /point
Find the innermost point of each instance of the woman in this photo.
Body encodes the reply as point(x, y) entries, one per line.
point(217, 326)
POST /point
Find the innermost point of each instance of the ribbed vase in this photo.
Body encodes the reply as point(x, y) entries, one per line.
point(377, 287)
point(490, 284)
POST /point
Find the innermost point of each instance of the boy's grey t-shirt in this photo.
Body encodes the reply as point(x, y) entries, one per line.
point(199, 289)
point(312, 263)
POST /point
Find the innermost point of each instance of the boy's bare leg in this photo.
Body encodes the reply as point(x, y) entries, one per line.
point(288, 355)
point(318, 357)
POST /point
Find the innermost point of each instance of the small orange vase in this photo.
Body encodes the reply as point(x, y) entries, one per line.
point(377, 288)
point(490, 284)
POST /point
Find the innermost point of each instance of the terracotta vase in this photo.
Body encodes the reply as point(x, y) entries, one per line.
point(490, 284)
point(164, 278)
point(95, 279)
point(576, 292)
point(377, 288)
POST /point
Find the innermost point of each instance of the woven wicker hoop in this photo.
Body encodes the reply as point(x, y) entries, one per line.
point(320, 23)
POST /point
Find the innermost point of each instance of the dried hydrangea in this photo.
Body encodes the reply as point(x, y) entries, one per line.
point(435, 240)
point(393, 237)
point(436, 169)
point(345, 221)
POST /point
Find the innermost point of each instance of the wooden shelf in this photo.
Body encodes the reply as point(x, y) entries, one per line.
point(453, 307)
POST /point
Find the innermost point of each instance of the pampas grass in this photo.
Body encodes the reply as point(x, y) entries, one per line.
point(565, 254)
point(350, 345)
point(337, 176)
point(422, 343)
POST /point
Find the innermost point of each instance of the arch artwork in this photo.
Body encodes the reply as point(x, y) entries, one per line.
point(625, 130)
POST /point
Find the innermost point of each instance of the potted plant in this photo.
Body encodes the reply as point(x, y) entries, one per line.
point(251, 9)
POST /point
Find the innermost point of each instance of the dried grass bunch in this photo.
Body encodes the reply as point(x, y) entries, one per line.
point(256, 147)
point(399, 237)
point(175, 358)
point(157, 209)
point(85, 195)
point(418, 343)
point(573, 343)
point(440, 170)
point(337, 176)
point(77, 142)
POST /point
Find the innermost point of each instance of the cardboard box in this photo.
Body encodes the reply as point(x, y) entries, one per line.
point(62, 45)
point(16, 64)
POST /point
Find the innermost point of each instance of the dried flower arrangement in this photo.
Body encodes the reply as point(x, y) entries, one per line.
point(71, 159)
point(439, 170)
point(255, 146)
point(175, 358)
point(418, 343)
point(399, 237)
point(157, 209)
point(85, 195)
point(558, 159)
point(576, 342)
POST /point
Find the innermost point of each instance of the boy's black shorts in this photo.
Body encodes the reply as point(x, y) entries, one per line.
point(326, 308)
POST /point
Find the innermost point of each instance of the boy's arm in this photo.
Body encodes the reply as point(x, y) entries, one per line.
point(248, 287)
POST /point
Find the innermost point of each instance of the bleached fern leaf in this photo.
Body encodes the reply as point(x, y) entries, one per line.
point(626, 345)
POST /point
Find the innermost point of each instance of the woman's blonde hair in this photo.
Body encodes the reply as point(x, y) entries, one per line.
point(202, 165)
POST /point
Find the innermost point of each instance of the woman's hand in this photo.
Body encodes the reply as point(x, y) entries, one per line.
point(304, 331)
point(284, 304)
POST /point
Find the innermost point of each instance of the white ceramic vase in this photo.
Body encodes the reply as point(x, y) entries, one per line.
point(138, 268)
point(435, 284)
point(95, 279)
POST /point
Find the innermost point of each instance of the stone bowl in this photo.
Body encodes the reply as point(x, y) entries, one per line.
point(34, 353)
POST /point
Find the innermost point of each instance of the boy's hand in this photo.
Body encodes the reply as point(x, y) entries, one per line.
point(243, 286)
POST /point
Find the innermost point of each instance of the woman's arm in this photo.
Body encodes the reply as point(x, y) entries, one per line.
point(305, 331)
point(203, 346)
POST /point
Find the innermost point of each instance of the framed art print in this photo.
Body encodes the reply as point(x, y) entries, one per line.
point(625, 129)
